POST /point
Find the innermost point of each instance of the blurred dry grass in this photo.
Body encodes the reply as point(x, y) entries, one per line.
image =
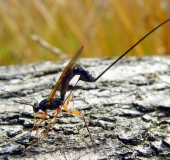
point(104, 27)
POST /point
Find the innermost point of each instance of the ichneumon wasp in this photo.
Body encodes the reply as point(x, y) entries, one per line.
point(52, 103)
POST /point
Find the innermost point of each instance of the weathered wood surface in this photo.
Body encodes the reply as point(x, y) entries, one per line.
point(127, 111)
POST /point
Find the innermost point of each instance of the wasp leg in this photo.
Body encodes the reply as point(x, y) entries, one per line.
point(54, 118)
point(38, 116)
point(42, 117)
point(79, 113)
point(51, 122)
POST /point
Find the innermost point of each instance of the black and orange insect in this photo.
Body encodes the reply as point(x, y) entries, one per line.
point(52, 103)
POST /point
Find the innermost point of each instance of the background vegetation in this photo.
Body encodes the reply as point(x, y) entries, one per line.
point(104, 27)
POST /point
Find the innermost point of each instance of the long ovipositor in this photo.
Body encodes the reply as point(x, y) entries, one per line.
point(52, 103)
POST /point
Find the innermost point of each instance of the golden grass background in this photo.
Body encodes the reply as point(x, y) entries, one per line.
point(104, 27)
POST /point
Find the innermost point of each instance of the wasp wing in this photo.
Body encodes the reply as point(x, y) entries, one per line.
point(64, 73)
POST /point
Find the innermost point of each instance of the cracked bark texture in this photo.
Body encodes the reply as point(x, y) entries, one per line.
point(127, 111)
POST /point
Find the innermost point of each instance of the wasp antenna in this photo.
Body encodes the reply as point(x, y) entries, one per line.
point(26, 102)
point(131, 48)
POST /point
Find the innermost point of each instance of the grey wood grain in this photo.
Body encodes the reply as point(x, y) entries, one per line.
point(127, 111)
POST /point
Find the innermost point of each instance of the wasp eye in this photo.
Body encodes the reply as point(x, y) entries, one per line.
point(36, 107)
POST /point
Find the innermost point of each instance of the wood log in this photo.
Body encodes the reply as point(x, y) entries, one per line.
point(127, 111)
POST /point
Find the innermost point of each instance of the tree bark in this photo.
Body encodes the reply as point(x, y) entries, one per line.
point(127, 111)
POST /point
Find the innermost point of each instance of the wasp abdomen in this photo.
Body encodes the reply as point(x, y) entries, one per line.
point(85, 75)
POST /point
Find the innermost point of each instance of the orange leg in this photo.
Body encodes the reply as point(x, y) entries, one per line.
point(51, 122)
point(39, 116)
point(80, 113)
point(42, 117)
point(54, 118)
